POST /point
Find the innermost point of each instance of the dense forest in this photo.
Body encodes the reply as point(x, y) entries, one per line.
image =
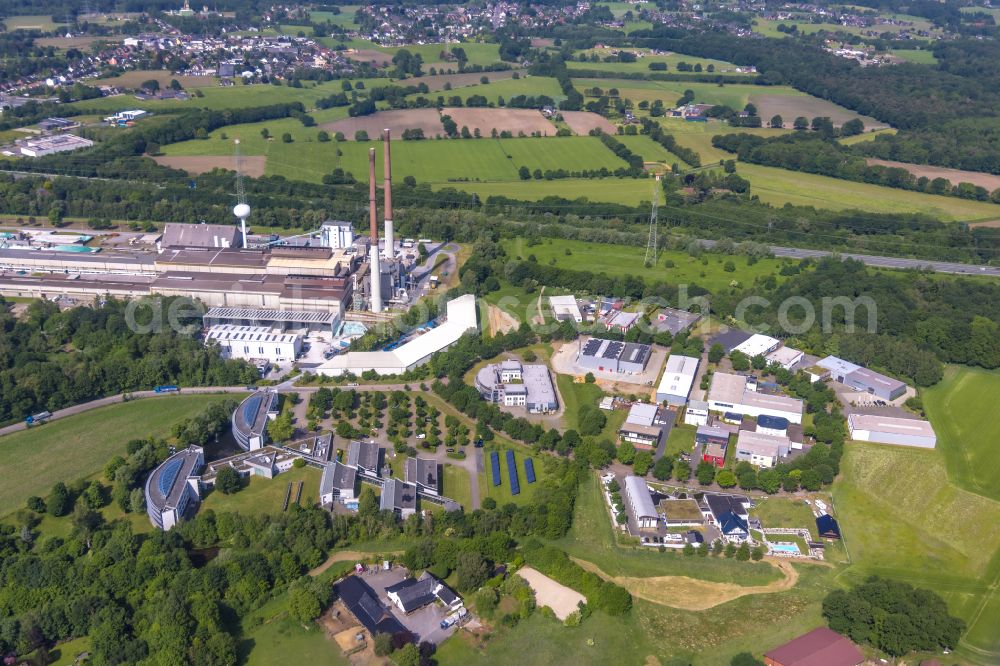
point(51, 359)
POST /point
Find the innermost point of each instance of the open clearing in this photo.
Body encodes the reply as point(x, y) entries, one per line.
point(437, 82)
point(734, 95)
point(397, 120)
point(641, 65)
point(791, 106)
point(582, 122)
point(527, 121)
point(34, 22)
point(693, 594)
point(253, 165)
point(954, 176)
point(76, 447)
point(68, 42)
point(561, 599)
point(346, 556)
point(370, 56)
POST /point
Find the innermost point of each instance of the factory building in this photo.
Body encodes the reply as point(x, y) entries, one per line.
point(254, 343)
point(678, 377)
point(461, 318)
point(613, 356)
point(177, 235)
point(891, 430)
point(49, 145)
point(565, 308)
point(758, 345)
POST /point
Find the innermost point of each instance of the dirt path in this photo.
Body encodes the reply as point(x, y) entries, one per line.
point(347, 556)
point(500, 321)
point(540, 318)
point(691, 593)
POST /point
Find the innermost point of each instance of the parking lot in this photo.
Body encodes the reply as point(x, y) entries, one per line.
point(425, 623)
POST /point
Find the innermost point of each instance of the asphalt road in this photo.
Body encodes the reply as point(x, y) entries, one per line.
point(954, 268)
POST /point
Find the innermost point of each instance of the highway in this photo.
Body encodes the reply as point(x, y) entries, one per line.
point(875, 261)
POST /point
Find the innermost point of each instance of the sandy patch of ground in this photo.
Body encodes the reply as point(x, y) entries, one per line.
point(253, 165)
point(500, 321)
point(397, 120)
point(789, 107)
point(342, 628)
point(512, 120)
point(691, 593)
point(347, 556)
point(955, 176)
point(372, 56)
point(990, 224)
point(581, 122)
point(561, 599)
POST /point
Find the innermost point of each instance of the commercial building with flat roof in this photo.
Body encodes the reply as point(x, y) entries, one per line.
point(461, 319)
point(729, 394)
point(178, 235)
point(254, 343)
point(172, 489)
point(758, 345)
point(696, 413)
point(673, 320)
point(862, 379)
point(786, 357)
point(251, 418)
point(565, 308)
point(512, 384)
point(891, 430)
point(49, 145)
point(678, 377)
point(761, 449)
point(613, 356)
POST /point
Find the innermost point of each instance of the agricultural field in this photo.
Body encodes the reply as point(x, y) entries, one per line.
point(136, 78)
point(698, 136)
point(789, 107)
point(985, 180)
point(77, 447)
point(901, 516)
point(867, 136)
point(651, 151)
point(40, 22)
point(769, 28)
point(960, 409)
point(735, 95)
point(628, 191)
point(779, 186)
point(641, 65)
point(621, 260)
point(428, 161)
point(519, 122)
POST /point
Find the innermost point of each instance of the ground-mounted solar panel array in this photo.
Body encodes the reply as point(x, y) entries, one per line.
point(529, 470)
point(515, 486)
point(495, 464)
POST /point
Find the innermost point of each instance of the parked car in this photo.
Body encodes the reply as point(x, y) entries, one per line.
point(422, 436)
point(451, 450)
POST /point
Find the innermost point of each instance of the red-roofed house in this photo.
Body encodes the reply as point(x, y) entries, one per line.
point(820, 647)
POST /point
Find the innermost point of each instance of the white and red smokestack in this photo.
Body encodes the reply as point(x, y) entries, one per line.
point(390, 238)
point(375, 271)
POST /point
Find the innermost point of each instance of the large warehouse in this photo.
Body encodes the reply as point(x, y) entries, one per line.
point(172, 490)
point(613, 356)
point(461, 319)
point(729, 393)
point(891, 430)
point(678, 377)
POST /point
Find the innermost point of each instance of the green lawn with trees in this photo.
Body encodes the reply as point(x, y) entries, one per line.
point(77, 447)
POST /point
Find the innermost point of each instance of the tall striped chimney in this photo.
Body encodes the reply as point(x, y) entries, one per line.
point(375, 271)
point(390, 238)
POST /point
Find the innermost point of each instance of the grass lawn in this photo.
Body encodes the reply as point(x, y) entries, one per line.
point(627, 191)
point(962, 410)
point(867, 136)
point(779, 186)
point(621, 260)
point(457, 486)
point(506, 88)
point(78, 446)
point(41, 22)
point(681, 440)
point(651, 151)
point(917, 56)
point(501, 493)
point(270, 636)
point(785, 512)
point(734, 95)
point(267, 495)
point(902, 517)
point(64, 654)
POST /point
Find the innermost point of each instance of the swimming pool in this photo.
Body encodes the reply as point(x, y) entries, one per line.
point(785, 547)
point(80, 249)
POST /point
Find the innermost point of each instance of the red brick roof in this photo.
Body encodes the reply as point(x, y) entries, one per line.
point(820, 647)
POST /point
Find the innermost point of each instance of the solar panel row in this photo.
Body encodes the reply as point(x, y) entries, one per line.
point(495, 464)
point(529, 470)
point(515, 487)
point(613, 350)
